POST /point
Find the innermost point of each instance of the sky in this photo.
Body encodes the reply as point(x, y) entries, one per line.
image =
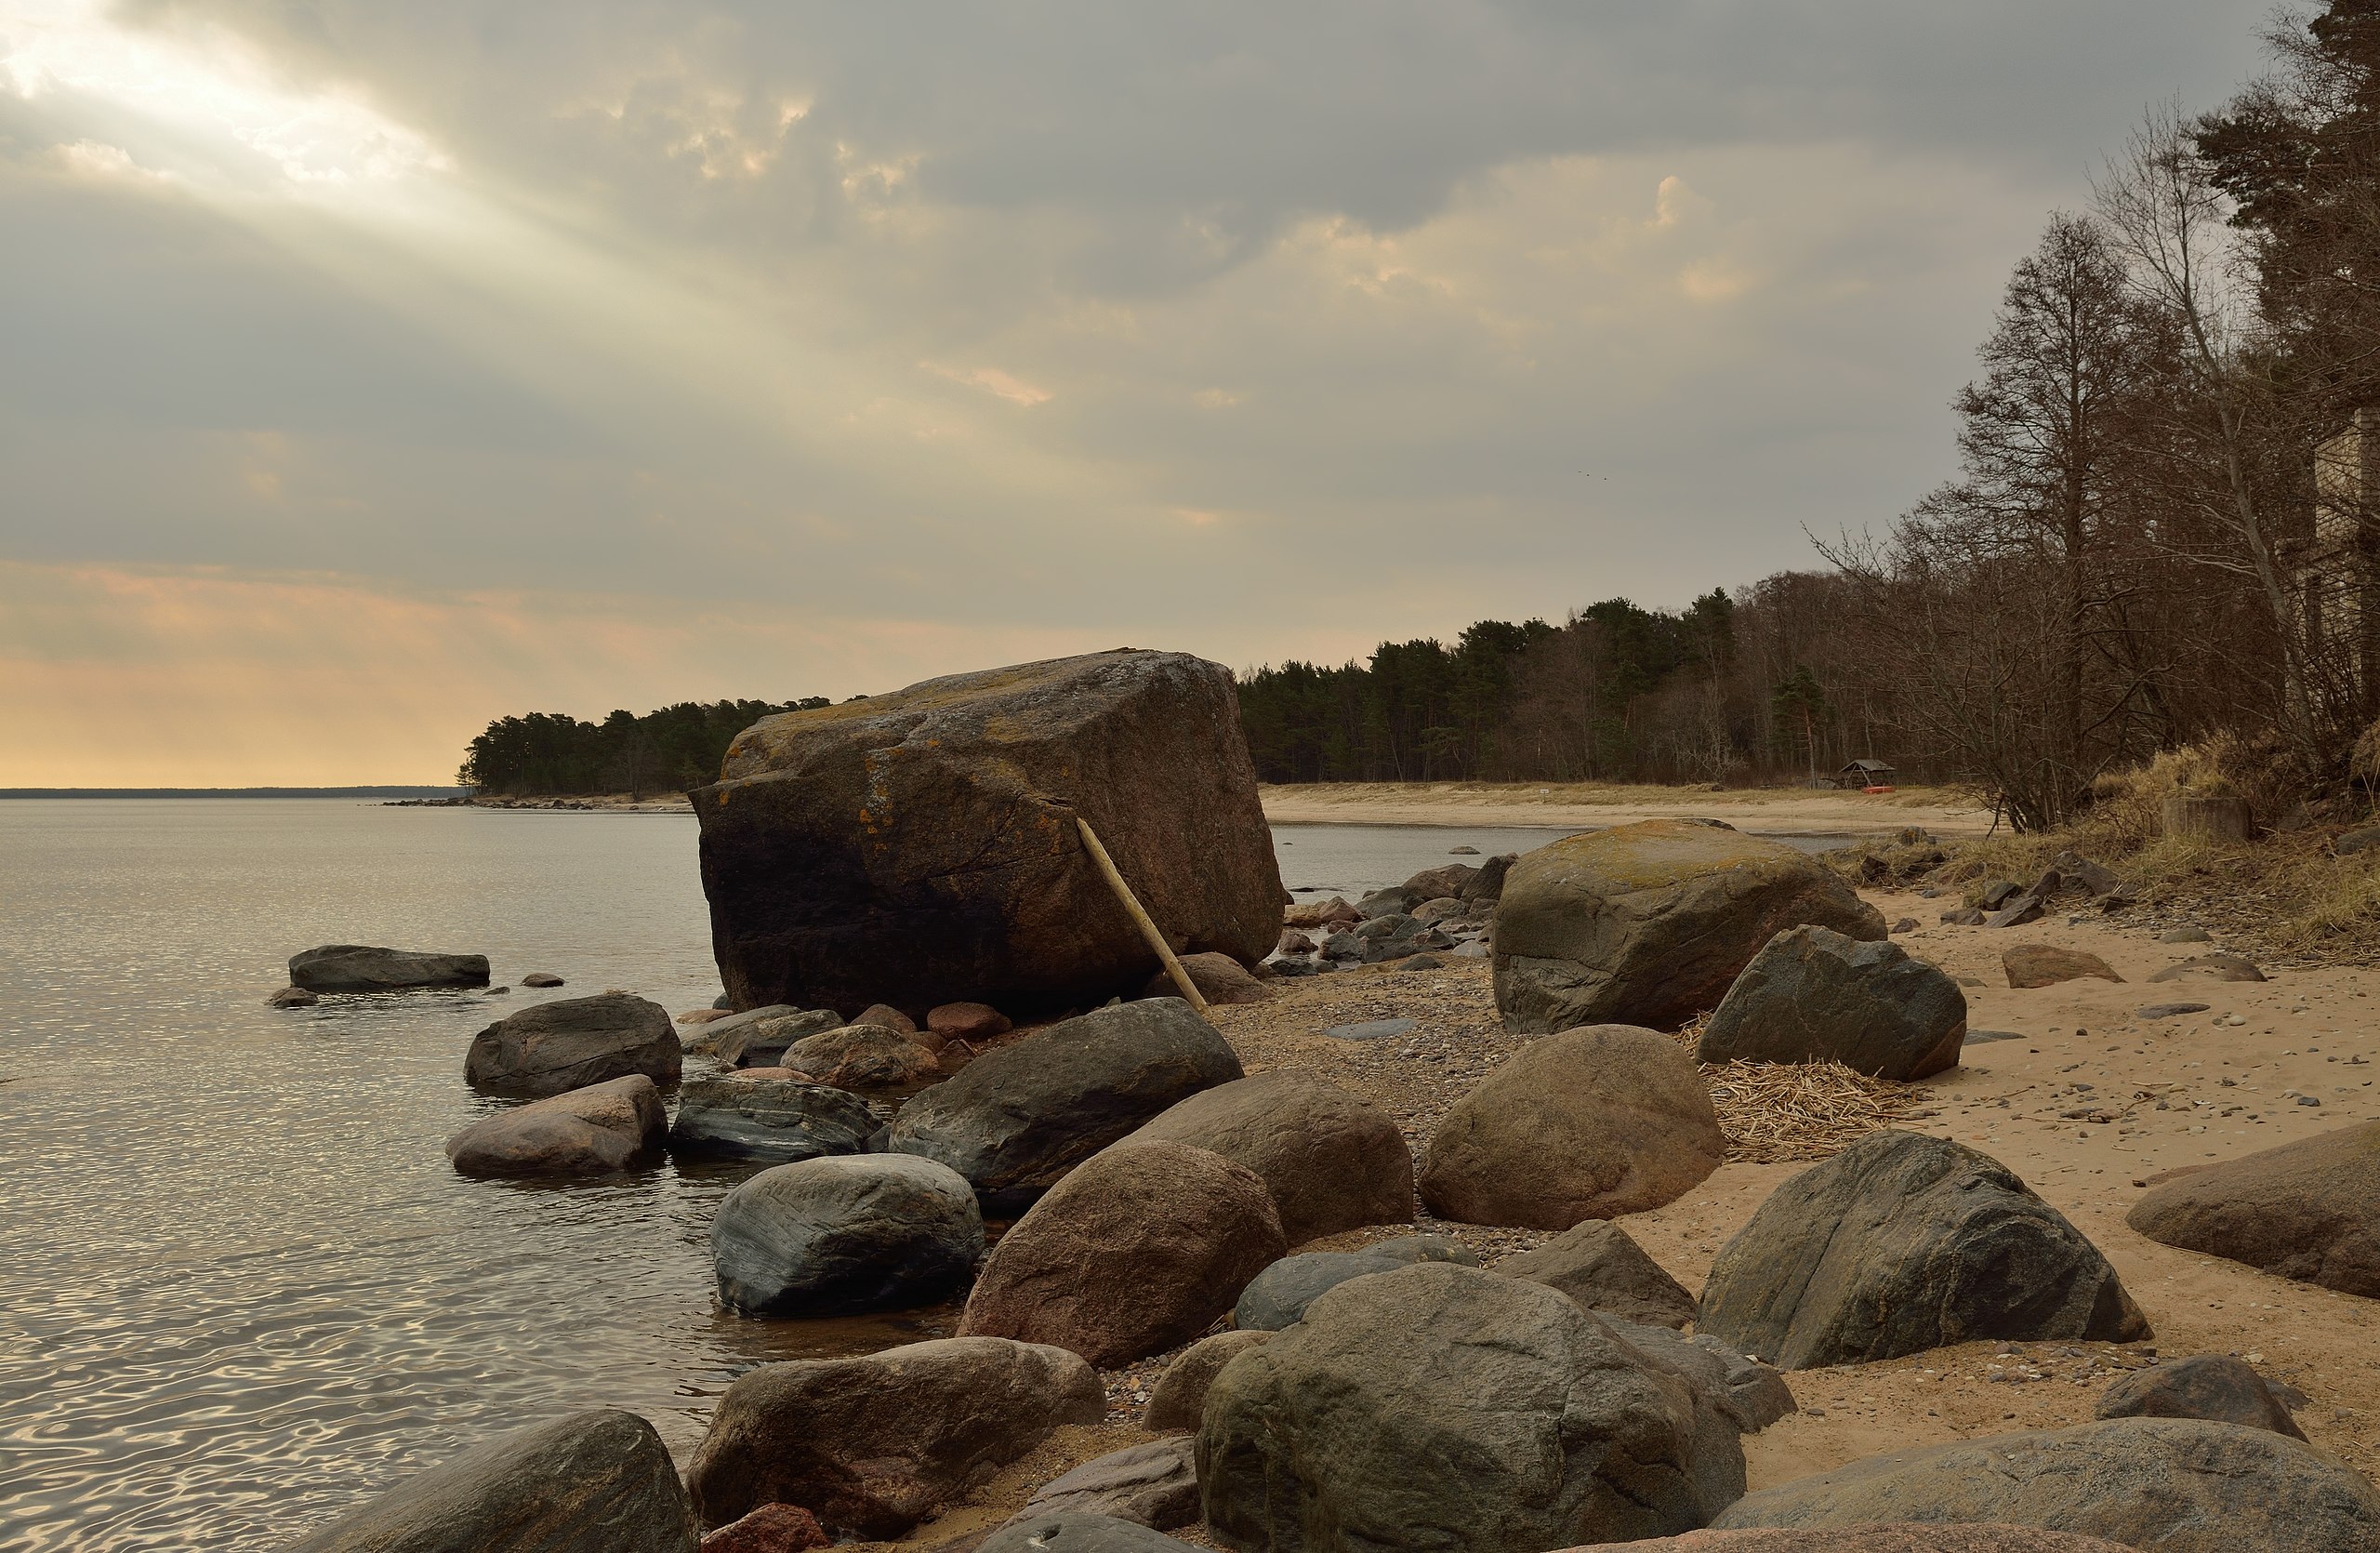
point(369, 371)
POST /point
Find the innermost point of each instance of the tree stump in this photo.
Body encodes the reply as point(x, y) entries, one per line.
point(2214, 819)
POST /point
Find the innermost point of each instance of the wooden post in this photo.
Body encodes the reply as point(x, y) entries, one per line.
point(1188, 988)
point(2215, 819)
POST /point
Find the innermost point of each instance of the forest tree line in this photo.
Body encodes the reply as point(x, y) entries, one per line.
point(668, 751)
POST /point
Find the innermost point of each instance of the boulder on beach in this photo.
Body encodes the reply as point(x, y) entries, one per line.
point(873, 1445)
point(1904, 1242)
point(770, 1529)
point(926, 840)
point(361, 968)
point(1902, 1537)
point(1022, 1115)
point(2029, 965)
point(1597, 1264)
point(1078, 1531)
point(1441, 1406)
point(2308, 1210)
point(1154, 1484)
point(1589, 1123)
point(1139, 1248)
point(1221, 980)
point(1278, 1297)
point(1813, 995)
point(2210, 1385)
point(597, 1482)
point(874, 1059)
point(1650, 923)
point(971, 1022)
point(581, 1132)
point(843, 1234)
point(2212, 967)
point(751, 1117)
point(2179, 1485)
point(571, 1043)
point(761, 1038)
point(1330, 1160)
point(1179, 1398)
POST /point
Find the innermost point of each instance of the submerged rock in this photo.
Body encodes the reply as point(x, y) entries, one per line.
point(583, 1132)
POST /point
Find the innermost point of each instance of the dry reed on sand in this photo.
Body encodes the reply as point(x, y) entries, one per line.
point(1775, 1113)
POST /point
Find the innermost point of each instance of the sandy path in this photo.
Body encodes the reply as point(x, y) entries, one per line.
point(1777, 811)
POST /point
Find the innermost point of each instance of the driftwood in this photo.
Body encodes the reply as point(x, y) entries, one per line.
point(1131, 905)
point(2214, 819)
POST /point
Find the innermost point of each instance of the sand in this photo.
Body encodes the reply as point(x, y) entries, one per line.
point(1761, 811)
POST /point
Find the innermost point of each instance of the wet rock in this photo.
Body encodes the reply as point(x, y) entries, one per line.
point(1590, 1123)
point(783, 1120)
point(1139, 1248)
point(1219, 978)
point(292, 996)
point(868, 1058)
point(2174, 1485)
point(1155, 1485)
point(1440, 1405)
point(541, 978)
point(762, 1043)
point(1072, 1532)
point(1330, 1160)
point(932, 832)
point(2308, 1210)
point(885, 1016)
point(1179, 1398)
point(716, 1023)
point(836, 1236)
point(596, 1481)
point(1597, 1264)
point(967, 1021)
point(2046, 965)
point(2208, 1386)
point(1650, 923)
point(571, 1043)
point(1813, 995)
point(1904, 1242)
point(362, 968)
point(872, 1445)
point(1024, 1114)
point(583, 1131)
point(2212, 967)
point(770, 1529)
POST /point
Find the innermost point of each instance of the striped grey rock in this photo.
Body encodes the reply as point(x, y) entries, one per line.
point(1813, 995)
point(836, 1236)
point(779, 1120)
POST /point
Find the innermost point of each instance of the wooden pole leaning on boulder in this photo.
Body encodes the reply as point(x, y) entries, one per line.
point(1188, 988)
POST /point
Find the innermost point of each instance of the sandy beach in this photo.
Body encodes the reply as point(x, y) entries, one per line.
point(1761, 811)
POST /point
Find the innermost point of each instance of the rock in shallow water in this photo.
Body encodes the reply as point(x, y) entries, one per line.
point(571, 1043)
point(585, 1131)
point(836, 1236)
point(784, 1120)
point(361, 968)
point(599, 1481)
point(292, 996)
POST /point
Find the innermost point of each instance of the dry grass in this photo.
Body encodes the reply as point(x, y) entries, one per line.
point(1778, 1113)
point(1591, 795)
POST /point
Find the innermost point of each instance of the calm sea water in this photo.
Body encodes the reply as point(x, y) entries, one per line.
point(244, 1291)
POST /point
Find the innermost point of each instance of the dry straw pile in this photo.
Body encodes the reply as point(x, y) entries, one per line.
point(1776, 1113)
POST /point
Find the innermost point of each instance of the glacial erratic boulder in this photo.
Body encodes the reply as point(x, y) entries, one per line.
point(841, 1235)
point(1650, 923)
point(1139, 1248)
point(581, 1132)
point(873, 1445)
point(1813, 995)
point(1904, 1242)
point(1332, 1162)
point(571, 1043)
point(362, 968)
point(2308, 1210)
point(596, 1481)
point(2178, 1485)
point(783, 1121)
point(926, 840)
point(1444, 1407)
point(1022, 1115)
point(1589, 1123)
point(1600, 1267)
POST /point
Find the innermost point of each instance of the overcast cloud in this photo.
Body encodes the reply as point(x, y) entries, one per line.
point(367, 370)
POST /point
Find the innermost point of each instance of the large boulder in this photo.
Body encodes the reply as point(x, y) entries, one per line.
point(583, 1131)
point(1139, 1248)
point(598, 1481)
point(1650, 923)
point(2179, 1485)
point(1905, 1537)
point(1022, 1115)
point(751, 1117)
point(1904, 1242)
point(870, 1058)
point(1590, 1123)
point(573, 1042)
point(872, 1445)
point(926, 840)
point(1597, 1264)
point(1279, 1296)
point(834, 1236)
point(361, 968)
point(1179, 1398)
point(1078, 1531)
point(1330, 1160)
point(2308, 1209)
point(1813, 995)
point(1440, 1407)
point(2209, 1386)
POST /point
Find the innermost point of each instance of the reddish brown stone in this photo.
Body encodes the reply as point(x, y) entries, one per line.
point(965, 1021)
point(2046, 965)
point(770, 1529)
